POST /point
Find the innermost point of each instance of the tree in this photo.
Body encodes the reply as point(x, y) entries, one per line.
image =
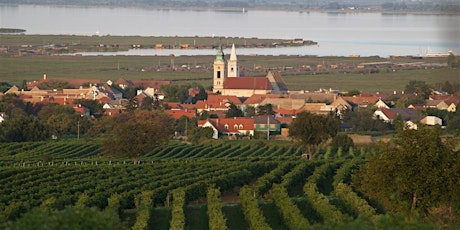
point(418, 170)
point(418, 87)
point(265, 109)
point(310, 130)
point(137, 133)
point(343, 141)
point(234, 111)
point(95, 108)
point(60, 119)
point(199, 134)
point(23, 128)
point(250, 111)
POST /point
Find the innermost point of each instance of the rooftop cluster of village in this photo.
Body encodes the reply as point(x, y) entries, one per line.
point(242, 106)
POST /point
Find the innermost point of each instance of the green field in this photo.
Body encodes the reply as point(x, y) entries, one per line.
point(199, 69)
point(58, 175)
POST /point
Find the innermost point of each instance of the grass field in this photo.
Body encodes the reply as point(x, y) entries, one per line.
point(16, 69)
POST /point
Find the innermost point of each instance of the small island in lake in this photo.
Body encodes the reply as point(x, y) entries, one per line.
point(11, 31)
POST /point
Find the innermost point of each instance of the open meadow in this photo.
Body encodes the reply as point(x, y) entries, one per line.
point(299, 73)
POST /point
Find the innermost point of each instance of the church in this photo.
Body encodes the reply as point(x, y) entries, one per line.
point(227, 79)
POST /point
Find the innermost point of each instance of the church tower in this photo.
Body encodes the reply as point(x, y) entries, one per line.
point(232, 66)
point(219, 71)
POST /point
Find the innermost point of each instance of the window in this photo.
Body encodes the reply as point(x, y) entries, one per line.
point(235, 126)
point(231, 69)
point(218, 74)
point(241, 126)
point(226, 126)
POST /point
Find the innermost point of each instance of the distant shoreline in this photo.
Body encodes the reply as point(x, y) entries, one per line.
point(247, 9)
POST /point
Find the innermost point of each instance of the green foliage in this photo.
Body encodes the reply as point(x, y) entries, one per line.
point(265, 109)
point(138, 133)
point(144, 204)
point(178, 215)
point(251, 210)
point(48, 204)
point(310, 129)
point(69, 218)
point(82, 201)
point(419, 88)
point(217, 220)
point(200, 134)
point(359, 205)
point(418, 171)
point(23, 128)
point(234, 111)
point(343, 141)
point(250, 111)
point(291, 214)
point(95, 108)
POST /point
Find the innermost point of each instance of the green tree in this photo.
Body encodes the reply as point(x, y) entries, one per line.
point(310, 130)
point(234, 111)
point(265, 109)
point(418, 170)
point(199, 134)
point(137, 133)
point(95, 108)
point(60, 119)
point(23, 128)
point(342, 140)
point(250, 111)
point(418, 87)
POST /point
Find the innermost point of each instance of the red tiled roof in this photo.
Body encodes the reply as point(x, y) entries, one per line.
point(362, 100)
point(256, 83)
point(285, 120)
point(224, 98)
point(176, 114)
point(389, 113)
point(258, 98)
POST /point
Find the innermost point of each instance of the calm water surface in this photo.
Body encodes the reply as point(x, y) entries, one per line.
point(342, 34)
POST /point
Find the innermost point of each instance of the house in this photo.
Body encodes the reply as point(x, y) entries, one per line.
point(217, 103)
point(2, 117)
point(381, 104)
point(318, 108)
point(237, 126)
point(362, 100)
point(389, 115)
point(83, 111)
point(431, 120)
point(436, 104)
point(266, 123)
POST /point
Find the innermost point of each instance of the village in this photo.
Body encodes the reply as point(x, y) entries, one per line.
point(266, 104)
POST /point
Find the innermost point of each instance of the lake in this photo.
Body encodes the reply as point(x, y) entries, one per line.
point(341, 34)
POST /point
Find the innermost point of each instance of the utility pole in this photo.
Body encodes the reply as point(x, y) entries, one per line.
point(268, 127)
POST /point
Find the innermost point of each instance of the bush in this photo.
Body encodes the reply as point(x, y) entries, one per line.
point(69, 218)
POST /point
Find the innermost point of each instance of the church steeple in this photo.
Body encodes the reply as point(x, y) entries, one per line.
point(232, 67)
point(219, 71)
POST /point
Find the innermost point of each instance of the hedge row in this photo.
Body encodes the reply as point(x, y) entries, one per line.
point(177, 213)
point(350, 198)
point(251, 210)
point(144, 204)
point(291, 214)
point(217, 220)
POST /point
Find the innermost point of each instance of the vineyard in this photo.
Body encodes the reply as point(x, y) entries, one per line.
point(223, 185)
